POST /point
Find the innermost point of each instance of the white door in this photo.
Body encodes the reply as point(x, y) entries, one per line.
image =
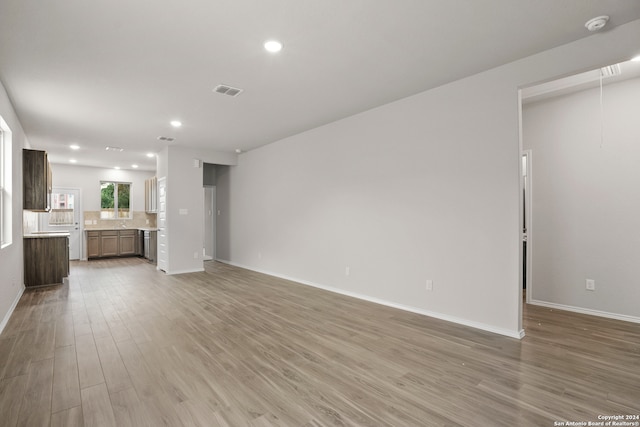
point(64, 216)
point(209, 247)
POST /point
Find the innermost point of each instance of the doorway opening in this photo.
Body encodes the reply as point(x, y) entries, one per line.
point(582, 133)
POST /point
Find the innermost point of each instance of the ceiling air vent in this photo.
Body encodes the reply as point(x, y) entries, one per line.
point(611, 70)
point(227, 90)
point(166, 138)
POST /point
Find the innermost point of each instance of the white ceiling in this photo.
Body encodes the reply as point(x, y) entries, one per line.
point(100, 73)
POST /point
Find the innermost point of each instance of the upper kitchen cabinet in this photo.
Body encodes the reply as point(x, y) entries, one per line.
point(37, 181)
point(151, 195)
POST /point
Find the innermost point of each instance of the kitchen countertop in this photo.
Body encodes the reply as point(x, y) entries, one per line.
point(121, 228)
point(45, 235)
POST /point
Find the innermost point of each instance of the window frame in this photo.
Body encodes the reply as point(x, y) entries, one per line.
point(6, 187)
point(116, 208)
point(2, 238)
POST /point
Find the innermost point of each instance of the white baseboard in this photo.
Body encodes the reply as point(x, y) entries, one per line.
point(172, 272)
point(588, 311)
point(13, 307)
point(453, 319)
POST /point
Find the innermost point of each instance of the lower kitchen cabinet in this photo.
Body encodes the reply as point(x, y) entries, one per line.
point(93, 244)
point(46, 260)
point(111, 243)
point(127, 242)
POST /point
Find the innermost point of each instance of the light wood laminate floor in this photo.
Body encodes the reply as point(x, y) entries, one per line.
point(125, 345)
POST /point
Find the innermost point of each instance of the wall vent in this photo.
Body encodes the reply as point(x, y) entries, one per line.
point(611, 70)
point(166, 138)
point(228, 90)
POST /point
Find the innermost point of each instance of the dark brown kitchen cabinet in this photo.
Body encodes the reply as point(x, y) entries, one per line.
point(37, 181)
point(46, 260)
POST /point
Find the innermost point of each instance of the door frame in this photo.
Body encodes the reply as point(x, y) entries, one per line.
point(528, 211)
point(43, 225)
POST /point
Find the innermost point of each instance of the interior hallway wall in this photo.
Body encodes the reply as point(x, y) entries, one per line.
point(586, 198)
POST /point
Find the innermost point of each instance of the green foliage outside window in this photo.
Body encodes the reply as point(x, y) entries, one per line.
point(114, 200)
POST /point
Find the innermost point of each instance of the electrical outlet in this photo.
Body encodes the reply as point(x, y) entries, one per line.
point(259, 255)
point(347, 271)
point(591, 285)
point(195, 255)
point(429, 285)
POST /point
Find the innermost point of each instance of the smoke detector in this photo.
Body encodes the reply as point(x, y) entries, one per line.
point(596, 24)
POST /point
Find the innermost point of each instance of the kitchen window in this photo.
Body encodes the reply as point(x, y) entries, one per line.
point(5, 185)
point(114, 200)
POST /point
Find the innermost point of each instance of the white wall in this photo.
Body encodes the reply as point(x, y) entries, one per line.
point(185, 203)
point(586, 198)
point(11, 264)
point(88, 180)
point(423, 188)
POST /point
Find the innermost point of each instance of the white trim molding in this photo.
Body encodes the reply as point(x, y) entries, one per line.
point(172, 272)
point(13, 307)
point(588, 311)
point(453, 319)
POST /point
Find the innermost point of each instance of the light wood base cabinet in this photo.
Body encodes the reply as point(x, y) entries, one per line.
point(127, 242)
point(111, 243)
point(93, 244)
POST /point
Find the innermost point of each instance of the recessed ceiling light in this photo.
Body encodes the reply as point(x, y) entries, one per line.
point(636, 58)
point(74, 146)
point(134, 166)
point(114, 149)
point(176, 123)
point(273, 46)
point(117, 167)
point(73, 161)
point(238, 150)
point(151, 155)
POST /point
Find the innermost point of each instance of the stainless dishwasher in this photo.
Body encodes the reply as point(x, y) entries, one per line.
point(150, 245)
